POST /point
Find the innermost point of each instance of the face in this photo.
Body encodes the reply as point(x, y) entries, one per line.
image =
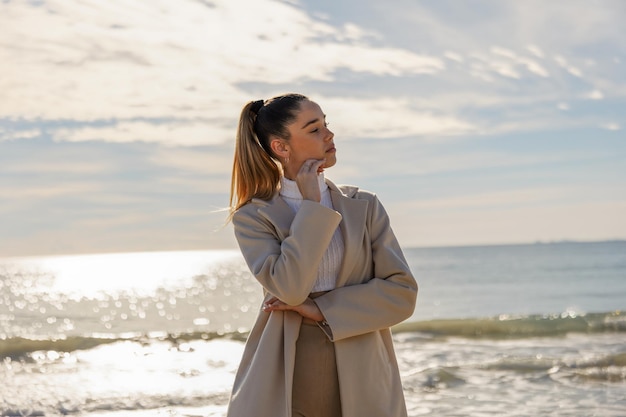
point(310, 138)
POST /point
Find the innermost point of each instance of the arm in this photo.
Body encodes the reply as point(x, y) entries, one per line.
point(386, 299)
point(286, 269)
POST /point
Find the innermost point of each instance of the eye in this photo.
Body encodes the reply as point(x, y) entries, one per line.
point(317, 129)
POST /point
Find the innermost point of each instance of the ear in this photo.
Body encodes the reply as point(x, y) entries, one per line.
point(280, 147)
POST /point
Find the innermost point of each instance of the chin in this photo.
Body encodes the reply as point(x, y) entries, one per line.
point(329, 163)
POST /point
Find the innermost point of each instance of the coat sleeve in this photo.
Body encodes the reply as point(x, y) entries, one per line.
point(381, 302)
point(287, 269)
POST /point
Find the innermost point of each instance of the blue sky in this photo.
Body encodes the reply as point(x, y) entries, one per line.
point(476, 122)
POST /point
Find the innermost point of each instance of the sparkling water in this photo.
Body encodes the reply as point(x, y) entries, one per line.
point(511, 330)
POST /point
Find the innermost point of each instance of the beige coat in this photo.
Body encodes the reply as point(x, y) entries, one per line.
point(375, 290)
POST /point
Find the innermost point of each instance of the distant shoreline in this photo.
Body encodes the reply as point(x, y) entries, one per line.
point(536, 243)
point(404, 247)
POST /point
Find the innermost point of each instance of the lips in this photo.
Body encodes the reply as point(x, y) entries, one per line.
point(331, 149)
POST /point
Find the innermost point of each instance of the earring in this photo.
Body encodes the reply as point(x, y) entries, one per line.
point(286, 160)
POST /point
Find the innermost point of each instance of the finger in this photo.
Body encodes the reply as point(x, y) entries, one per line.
point(269, 302)
point(317, 164)
point(269, 307)
point(280, 306)
point(311, 165)
point(275, 302)
point(320, 167)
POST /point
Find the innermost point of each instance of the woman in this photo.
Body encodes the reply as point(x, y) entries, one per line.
point(333, 274)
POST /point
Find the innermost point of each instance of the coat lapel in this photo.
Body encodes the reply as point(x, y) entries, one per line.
point(354, 212)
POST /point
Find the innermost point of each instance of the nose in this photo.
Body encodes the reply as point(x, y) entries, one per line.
point(329, 135)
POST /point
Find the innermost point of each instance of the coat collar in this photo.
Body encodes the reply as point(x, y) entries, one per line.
point(353, 222)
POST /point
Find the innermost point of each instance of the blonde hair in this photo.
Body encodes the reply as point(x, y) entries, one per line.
point(256, 172)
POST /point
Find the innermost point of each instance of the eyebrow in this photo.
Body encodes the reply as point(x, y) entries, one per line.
point(311, 122)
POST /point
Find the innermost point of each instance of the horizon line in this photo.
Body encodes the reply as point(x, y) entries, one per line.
point(404, 247)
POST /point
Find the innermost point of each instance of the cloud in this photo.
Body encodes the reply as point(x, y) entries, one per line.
point(535, 50)
point(352, 118)
point(409, 161)
point(511, 64)
point(177, 61)
point(47, 191)
point(562, 62)
point(6, 135)
point(206, 161)
point(176, 133)
point(529, 64)
point(453, 56)
point(386, 118)
point(505, 63)
point(563, 106)
point(179, 74)
point(495, 200)
point(595, 95)
point(612, 126)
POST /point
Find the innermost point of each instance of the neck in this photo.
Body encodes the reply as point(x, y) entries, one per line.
point(288, 174)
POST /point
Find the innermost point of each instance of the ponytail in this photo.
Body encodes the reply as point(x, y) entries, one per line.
point(256, 173)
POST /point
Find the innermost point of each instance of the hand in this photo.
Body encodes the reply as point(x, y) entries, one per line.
point(307, 309)
point(307, 179)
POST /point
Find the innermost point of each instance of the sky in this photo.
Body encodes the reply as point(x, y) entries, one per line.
point(475, 122)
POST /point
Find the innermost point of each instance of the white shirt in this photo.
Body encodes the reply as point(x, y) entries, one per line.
point(328, 269)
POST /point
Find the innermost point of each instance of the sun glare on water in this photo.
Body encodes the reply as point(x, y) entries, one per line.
point(140, 272)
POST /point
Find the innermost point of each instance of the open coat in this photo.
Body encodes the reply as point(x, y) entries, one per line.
point(375, 290)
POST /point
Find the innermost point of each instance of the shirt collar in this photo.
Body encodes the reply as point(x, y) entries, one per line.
point(289, 188)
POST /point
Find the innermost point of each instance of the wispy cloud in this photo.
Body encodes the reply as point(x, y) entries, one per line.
point(612, 126)
point(158, 59)
point(175, 133)
point(194, 64)
point(595, 95)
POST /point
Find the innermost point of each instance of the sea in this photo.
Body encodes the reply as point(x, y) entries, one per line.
point(505, 330)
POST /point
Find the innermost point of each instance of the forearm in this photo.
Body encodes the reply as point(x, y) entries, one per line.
point(374, 305)
point(287, 269)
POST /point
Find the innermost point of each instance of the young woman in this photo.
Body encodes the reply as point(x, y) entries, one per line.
point(333, 274)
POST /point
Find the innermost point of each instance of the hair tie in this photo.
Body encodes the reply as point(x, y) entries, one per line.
point(256, 106)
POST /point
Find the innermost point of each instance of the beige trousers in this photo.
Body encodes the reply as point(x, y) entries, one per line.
point(315, 382)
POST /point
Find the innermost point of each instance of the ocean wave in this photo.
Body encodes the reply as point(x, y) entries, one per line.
point(612, 374)
point(15, 347)
point(617, 360)
point(607, 368)
point(519, 327)
point(435, 379)
point(497, 328)
point(154, 405)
